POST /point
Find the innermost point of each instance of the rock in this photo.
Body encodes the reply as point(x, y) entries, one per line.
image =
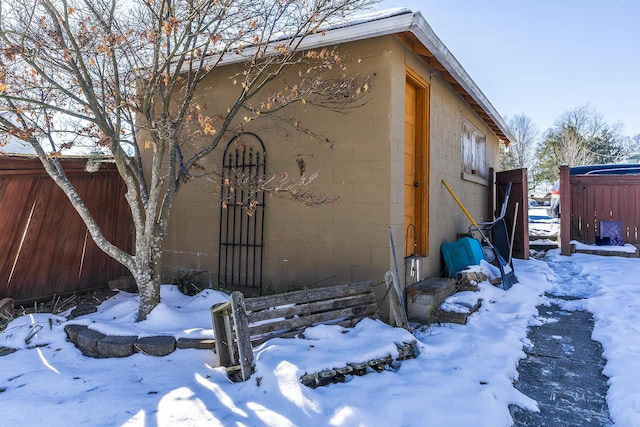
point(127, 284)
point(201, 344)
point(156, 346)
point(72, 332)
point(87, 341)
point(82, 309)
point(468, 280)
point(4, 351)
point(7, 307)
point(116, 346)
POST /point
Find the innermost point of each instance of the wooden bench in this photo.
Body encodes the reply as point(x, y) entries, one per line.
point(241, 323)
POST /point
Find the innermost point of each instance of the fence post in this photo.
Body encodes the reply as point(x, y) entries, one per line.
point(565, 210)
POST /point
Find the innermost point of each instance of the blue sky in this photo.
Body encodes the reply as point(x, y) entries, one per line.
point(544, 57)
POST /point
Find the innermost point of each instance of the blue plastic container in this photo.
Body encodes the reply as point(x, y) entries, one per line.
point(461, 254)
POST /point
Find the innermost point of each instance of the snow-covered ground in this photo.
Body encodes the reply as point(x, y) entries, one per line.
point(463, 375)
point(543, 229)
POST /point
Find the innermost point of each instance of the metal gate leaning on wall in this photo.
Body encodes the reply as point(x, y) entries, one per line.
point(242, 209)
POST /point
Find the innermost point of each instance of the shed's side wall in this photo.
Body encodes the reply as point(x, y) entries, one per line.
point(339, 242)
point(447, 110)
point(348, 240)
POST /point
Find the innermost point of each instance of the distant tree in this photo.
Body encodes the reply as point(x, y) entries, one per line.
point(579, 137)
point(111, 72)
point(631, 148)
point(521, 153)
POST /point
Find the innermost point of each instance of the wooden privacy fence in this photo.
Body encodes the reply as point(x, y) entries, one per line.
point(45, 248)
point(585, 200)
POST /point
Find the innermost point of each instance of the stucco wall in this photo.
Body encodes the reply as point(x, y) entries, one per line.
point(348, 240)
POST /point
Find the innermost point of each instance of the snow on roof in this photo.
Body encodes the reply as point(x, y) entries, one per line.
point(402, 20)
point(415, 32)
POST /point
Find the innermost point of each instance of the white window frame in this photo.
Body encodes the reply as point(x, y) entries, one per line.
point(473, 145)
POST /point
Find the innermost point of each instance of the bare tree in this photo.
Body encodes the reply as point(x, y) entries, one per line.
point(521, 153)
point(123, 76)
point(631, 148)
point(579, 137)
point(573, 149)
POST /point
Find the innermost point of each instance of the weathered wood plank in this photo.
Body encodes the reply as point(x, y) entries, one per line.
point(291, 333)
point(287, 324)
point(310, 308)
point(243, 337)
point(306, 295)
point(397, 309)
point(223, 334)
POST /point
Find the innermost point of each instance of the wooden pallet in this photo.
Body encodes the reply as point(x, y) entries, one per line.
point(241, 323)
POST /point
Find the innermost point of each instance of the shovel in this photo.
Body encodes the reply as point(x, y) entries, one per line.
point(508, 275)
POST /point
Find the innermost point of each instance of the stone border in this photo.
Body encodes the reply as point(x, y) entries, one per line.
point(95, 344)
point(406, 350)
point(605, 252)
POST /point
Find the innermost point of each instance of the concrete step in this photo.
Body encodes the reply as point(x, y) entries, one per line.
point(424, 297)
point(457, 308)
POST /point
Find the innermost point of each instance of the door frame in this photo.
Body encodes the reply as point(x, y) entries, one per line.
point(422, 157)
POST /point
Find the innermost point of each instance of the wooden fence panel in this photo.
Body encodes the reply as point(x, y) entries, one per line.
point(596, 198)
point(519, 195)
point(45, 248)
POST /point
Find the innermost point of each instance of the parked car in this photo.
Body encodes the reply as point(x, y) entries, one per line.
point(554, 203)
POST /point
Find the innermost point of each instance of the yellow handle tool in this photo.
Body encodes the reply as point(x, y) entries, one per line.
point(466, 212)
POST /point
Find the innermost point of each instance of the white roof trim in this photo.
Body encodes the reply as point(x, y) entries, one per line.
point(406, 21)
point(395, 21)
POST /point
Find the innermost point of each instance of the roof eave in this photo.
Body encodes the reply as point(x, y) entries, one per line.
point(423, 32)
point(403, 21)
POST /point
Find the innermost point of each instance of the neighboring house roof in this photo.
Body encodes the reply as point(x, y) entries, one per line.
point(412, 29)
point(17, 147)
point(13, 146)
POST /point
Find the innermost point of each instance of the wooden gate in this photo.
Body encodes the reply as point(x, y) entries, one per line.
point(586, 200)
point(242, 209)
point(520, 196)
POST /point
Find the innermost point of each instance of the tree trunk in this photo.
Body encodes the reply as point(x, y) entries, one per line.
point(148, 274)
point(149, 291)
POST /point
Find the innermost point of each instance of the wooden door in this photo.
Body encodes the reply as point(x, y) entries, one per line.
point(411, 219)
point(416, 177)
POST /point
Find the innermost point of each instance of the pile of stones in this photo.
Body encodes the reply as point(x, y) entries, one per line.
point(96, 344)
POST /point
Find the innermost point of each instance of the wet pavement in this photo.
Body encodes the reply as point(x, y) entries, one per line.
point(563, 367)
point(563, 373)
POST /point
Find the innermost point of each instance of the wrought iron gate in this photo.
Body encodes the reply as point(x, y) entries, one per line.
point(240, 254)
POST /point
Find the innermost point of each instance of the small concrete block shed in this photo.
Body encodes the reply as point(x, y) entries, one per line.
point(422, 116)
